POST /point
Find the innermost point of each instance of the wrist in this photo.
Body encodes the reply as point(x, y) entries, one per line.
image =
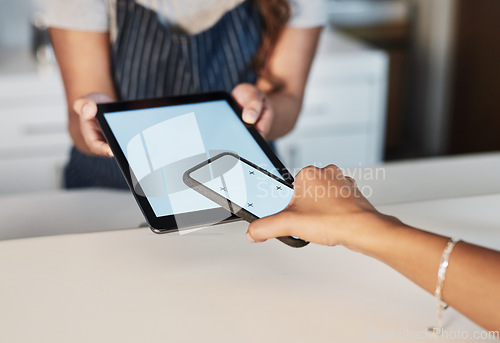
point(374, 232)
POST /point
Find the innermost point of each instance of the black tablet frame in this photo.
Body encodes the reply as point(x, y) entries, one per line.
point(167, 224)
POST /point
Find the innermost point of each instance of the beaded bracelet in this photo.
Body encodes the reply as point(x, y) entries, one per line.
point(443, 266)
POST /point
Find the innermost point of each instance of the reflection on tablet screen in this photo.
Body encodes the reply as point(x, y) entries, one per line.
point(242, 184)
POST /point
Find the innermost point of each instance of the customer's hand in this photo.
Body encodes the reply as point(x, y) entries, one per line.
point(327, 208)
point(256, 107)
point(88, 137)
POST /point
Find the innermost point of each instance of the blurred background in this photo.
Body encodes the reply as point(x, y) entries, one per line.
point(393, 79)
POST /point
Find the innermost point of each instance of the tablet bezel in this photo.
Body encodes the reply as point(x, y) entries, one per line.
point(166, 224)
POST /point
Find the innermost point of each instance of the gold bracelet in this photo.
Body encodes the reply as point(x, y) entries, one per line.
point(443, 266)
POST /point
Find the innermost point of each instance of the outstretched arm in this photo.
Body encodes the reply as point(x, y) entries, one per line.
point(85, 64)
point(275, 111)
point(327, 208)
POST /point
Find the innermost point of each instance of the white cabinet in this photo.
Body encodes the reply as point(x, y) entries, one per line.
point(343, 115)
point(34, 142)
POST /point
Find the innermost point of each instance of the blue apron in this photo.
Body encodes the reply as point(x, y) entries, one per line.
point(151, 59)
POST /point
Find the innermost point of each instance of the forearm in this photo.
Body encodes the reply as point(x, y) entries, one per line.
point(472, 284)
point(289, 64)
point(286, 109)
point(84, 61)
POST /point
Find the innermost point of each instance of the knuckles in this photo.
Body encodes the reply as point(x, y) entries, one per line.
point(312, 173)
point(246, 92)
point(333, 168)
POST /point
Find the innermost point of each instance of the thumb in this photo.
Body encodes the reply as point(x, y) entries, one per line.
point(251, 99)
point(277, 225)
point(252, 111)
point(85, 108)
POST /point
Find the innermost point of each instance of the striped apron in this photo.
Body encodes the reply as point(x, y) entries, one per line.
point(150, 59)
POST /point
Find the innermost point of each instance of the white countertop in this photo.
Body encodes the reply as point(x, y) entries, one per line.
point(213, 286)
point(432, 178)
point(67, 212)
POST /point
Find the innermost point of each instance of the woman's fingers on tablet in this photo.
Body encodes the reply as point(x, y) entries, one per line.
point(94, 138)
point(85, 107)
point(265, 120)
point(252, 111)
point(251, 99)
point(102, 149)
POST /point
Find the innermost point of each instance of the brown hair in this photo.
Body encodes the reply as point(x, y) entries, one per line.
point(275, 15)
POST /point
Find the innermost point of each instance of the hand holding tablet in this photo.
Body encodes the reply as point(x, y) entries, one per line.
point(156, 141)
point(86, 134)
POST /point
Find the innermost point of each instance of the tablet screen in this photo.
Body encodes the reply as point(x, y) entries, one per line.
point(161, 143)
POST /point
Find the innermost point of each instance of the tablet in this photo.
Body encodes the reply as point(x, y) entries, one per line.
point(156, 141)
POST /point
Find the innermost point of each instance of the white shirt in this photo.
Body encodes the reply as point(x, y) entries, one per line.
point(192, 16)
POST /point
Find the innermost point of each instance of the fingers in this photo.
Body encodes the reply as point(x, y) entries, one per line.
point(326, 182)
point(333, 171)
point(251, 99)
point(277, 225)
point(330, 172)
point(351, 181)
point(86, 108)
point(312, 174)
point(94, 139)
point(252, 111)
point(265, 121)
